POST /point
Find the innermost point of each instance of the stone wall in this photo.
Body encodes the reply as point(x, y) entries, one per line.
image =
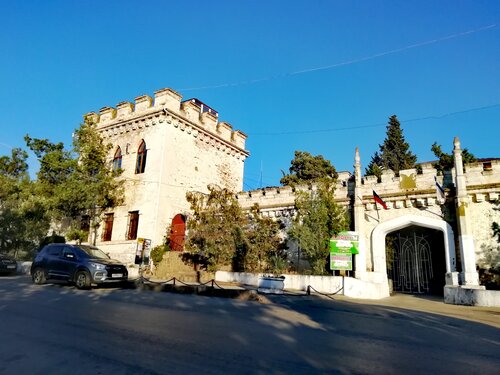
point(187, 149)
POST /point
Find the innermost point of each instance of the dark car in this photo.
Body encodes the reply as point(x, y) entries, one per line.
point(7, 265)
point(82, 264)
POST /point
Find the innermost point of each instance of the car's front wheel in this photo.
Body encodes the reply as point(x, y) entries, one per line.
point(82, 280)
point(39, 276)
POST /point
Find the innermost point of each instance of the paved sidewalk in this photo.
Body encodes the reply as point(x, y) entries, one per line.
point(434, 305)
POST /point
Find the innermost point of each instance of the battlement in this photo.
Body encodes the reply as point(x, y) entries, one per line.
point(412, 187)
point(167, 105)
point(284, 196)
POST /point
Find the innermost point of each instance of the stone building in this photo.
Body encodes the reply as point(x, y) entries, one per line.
point(165, 147)
point(419, 243)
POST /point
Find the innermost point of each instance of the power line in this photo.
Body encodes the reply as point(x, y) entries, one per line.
point(343, 63)
point(328, 130)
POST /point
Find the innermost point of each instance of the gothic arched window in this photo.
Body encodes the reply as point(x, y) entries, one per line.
point(140, 165)
point(117, 159)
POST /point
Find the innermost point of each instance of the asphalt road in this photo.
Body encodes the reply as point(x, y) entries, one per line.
point(57, 329)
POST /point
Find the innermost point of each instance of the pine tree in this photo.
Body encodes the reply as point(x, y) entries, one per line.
point(394, 153)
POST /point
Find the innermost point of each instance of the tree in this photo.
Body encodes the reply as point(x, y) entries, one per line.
point(263, 244)
point(318, 218)
point(214, 225)
point(77, 182)
point(446, 161)
point(223, 234)
point(23, 219)
point(307, 168)
point(394, 153)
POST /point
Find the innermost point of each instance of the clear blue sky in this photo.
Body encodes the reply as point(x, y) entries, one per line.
point(435, 64)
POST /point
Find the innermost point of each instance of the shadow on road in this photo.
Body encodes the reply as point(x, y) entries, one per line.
point(289, 335)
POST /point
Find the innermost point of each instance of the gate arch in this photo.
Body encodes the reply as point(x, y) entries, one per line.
point(381, 230)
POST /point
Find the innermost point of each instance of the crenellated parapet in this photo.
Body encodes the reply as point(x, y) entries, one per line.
point(410, 189)
point(414, 188)
point(191, 116)
point(280, 201)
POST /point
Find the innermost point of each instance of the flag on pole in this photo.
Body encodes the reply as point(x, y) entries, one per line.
point(439, 192)
point(379, 200)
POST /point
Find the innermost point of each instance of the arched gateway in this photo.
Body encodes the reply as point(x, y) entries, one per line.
point(378, 241)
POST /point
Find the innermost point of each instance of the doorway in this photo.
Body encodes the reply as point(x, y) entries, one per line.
point(416, 260)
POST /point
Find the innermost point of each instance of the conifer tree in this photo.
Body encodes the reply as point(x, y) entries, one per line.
point(446, 161)
point(394, 153)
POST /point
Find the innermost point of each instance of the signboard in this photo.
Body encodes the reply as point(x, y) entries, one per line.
point(142, 251)
point(342, 246)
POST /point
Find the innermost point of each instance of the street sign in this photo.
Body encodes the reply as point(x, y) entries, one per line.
point(342, 246)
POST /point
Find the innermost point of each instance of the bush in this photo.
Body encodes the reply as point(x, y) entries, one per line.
point(157, 254)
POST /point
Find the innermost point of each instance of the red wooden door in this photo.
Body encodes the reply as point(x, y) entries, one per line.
point(178, 233)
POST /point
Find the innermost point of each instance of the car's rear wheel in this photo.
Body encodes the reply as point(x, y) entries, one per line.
point(82, 280)
point(39, 276)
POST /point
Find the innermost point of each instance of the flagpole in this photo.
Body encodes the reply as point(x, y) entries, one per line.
point(376, 208)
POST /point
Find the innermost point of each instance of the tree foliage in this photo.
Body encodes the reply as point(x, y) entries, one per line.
point(79, 181)
point(224, 235)
point(393, 154)
point(308, 168)
point(23, 218)
point(445, 161)
point(318, 218)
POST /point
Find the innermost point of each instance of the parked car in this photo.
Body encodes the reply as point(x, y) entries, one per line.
point(82, 264)
point(7, 265)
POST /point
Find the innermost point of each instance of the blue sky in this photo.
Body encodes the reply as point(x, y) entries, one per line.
point(316, 76)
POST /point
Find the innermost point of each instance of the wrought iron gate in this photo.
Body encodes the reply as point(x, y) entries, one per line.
point(411, 265)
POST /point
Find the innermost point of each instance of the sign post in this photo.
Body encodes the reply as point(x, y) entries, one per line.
point(342, 246)
point(142, 251)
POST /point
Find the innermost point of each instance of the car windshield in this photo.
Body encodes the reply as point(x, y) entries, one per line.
point(94, 252)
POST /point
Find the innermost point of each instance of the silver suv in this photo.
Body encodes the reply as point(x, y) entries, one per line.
point(82, 264)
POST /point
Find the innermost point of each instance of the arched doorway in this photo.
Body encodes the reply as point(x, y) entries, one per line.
point(378, 240)
point(416, 260)
point(177, 233)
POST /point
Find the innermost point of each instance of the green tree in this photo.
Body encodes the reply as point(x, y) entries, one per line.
point(77, 182)
point(23, 219)
point(263, 244)
point(308, 168)
point(445, 161)
point(394, 153)
point(223, 234)
point(214, 226)
point(318, 218)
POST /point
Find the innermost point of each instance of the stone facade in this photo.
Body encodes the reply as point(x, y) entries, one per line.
point(187, 148)
point(411, 200)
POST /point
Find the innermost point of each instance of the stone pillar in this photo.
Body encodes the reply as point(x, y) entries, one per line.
point(466, 241)
point(359, 219)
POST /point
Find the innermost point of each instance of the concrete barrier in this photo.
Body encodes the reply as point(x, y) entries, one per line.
point(458, 295)
point(347, 286)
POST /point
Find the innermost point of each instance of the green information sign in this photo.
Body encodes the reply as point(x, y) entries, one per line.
point(342, 246)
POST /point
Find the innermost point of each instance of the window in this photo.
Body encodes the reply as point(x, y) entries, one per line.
point(141, 158)
point(133, 224)
point(117, 159)
point(108, 227)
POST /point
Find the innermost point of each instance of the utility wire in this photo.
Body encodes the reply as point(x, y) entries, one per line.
point(328, 130)
point(343, 63)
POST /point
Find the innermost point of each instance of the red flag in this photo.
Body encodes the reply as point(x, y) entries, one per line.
point(379, 200)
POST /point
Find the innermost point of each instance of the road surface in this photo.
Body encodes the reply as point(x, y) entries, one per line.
point(57, 329)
